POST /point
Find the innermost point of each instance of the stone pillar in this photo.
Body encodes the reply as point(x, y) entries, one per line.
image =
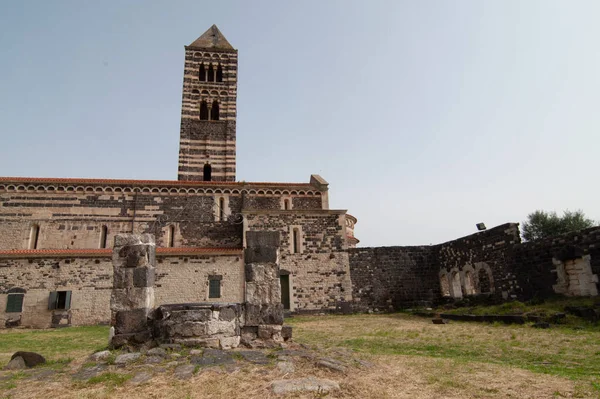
point(263, 307)
point(132, 299)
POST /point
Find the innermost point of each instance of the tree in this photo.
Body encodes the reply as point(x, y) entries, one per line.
point(540, 224)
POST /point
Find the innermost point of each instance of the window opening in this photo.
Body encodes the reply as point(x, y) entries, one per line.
point(202, 73)
point(14, 303)
point(286, 204)
point(214, 111)
point(59, 300)
point(207, 172)
point(103, 234)
point(221, 209)
point(33, 236)
point(219, 73)
point(214, 287)
point(171, 242)
point(203, 111)
point(296, 238)
point(211, 73)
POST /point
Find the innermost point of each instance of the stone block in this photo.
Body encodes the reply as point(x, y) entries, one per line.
point(131, 321)
point(229, 342)
point(286, 333)
point(31, 359)
point(199, 342)
point(256, 239)
point(221, 327)
point(188, 329)
point(190, 315)
point(132, 298)
point(263, 314)
point(261, 255)
point(134, 255)
point(227, 314)
point(143, 276)
point(269, 331)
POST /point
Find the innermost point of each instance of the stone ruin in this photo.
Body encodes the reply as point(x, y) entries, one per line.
point(136, 322)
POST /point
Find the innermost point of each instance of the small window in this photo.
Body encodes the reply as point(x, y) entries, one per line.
point(202, 73)
point(221, 209)
point(34, 236)
point(286, 204)
point(59, 300)
point(219, 73)
point(203, 111)
point(171, 238)
point(214, 111)
point(296, 238)
point(211, 73)
point(214, 287)
point(14, 303)
point(103, 235)
point(207, 173)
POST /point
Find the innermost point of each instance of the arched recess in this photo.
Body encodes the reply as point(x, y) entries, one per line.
point(202, 73)
point(485, 279)
point(214, 111)
point(455, 287)
point(211, 73)
point(219, 73)
point(203, 110)
point(469, 283)
point(444, 284)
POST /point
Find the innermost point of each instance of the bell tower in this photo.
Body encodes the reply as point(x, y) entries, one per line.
point(208, 109)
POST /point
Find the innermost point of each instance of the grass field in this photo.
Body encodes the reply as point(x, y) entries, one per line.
point(411, 357)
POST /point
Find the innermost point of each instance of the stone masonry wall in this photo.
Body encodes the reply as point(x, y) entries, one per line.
point(179, 279)
point(318, 274)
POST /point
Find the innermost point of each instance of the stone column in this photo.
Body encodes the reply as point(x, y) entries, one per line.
point(263, 307)
point(132, 299)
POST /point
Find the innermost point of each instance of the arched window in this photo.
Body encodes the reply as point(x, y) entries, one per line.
point(202, 73)
point(103, 236)
point(296, 239)
point(34, 236)
point(211, 73)
point(171, 237)
point(203, 111)
point(286, 204)
point(484, 281)
point(444, 285)
point(469, 284)
point(221, 209)
point(219, 73)
point(207, 172)
point(456, 287)
point(214, 111)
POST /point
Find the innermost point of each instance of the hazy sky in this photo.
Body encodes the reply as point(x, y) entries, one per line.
point(426, 117)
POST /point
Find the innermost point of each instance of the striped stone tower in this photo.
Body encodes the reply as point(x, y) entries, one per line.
point(208, 109)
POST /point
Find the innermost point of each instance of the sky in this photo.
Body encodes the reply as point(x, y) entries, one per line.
point(426, 117)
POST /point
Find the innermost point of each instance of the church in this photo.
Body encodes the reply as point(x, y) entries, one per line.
point(56, 234)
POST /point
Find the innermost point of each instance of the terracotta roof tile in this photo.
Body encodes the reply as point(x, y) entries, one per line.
point(69, 180)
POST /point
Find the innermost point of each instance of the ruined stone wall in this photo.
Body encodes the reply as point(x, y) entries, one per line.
point(318, 273)
point(72, 216)
point(388, 278)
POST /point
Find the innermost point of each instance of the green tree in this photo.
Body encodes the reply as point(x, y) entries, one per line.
point(540, 224)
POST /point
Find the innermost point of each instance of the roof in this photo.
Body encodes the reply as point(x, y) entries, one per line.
point(181, 183)
point(107, 252)
point(212, 38)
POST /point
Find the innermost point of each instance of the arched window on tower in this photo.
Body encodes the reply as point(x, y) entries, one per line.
point(171, 237)
point(214, 111)
point(207, 172)
point(203, 111)
point(219, 73)
point(202, 74)
point(103, 236)
point(211, 73)
point(221, 209)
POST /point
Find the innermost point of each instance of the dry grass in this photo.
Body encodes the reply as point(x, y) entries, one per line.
point(411, 357)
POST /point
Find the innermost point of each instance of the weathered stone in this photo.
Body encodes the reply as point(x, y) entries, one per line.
point(174, 347)
point(286, 333)
point(89, 372)
point(229, 342)
point(140, 378)
point(308, 384)
point(100, 356)
point(184, 371)
point(227, 314)
point(127, 358)
point(157, 352)
point(270, 332)
point(331, 365)
point(154, 359)
point(286, 367)
point(143, 276)
point(212, 357)
point(31, 359)
point(200, 342)
point(255, 357)
point(131, 321)
point(16, 363)
point(264, 314)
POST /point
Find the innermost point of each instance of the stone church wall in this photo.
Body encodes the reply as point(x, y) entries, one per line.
point(179, 279)
point(318, 271)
